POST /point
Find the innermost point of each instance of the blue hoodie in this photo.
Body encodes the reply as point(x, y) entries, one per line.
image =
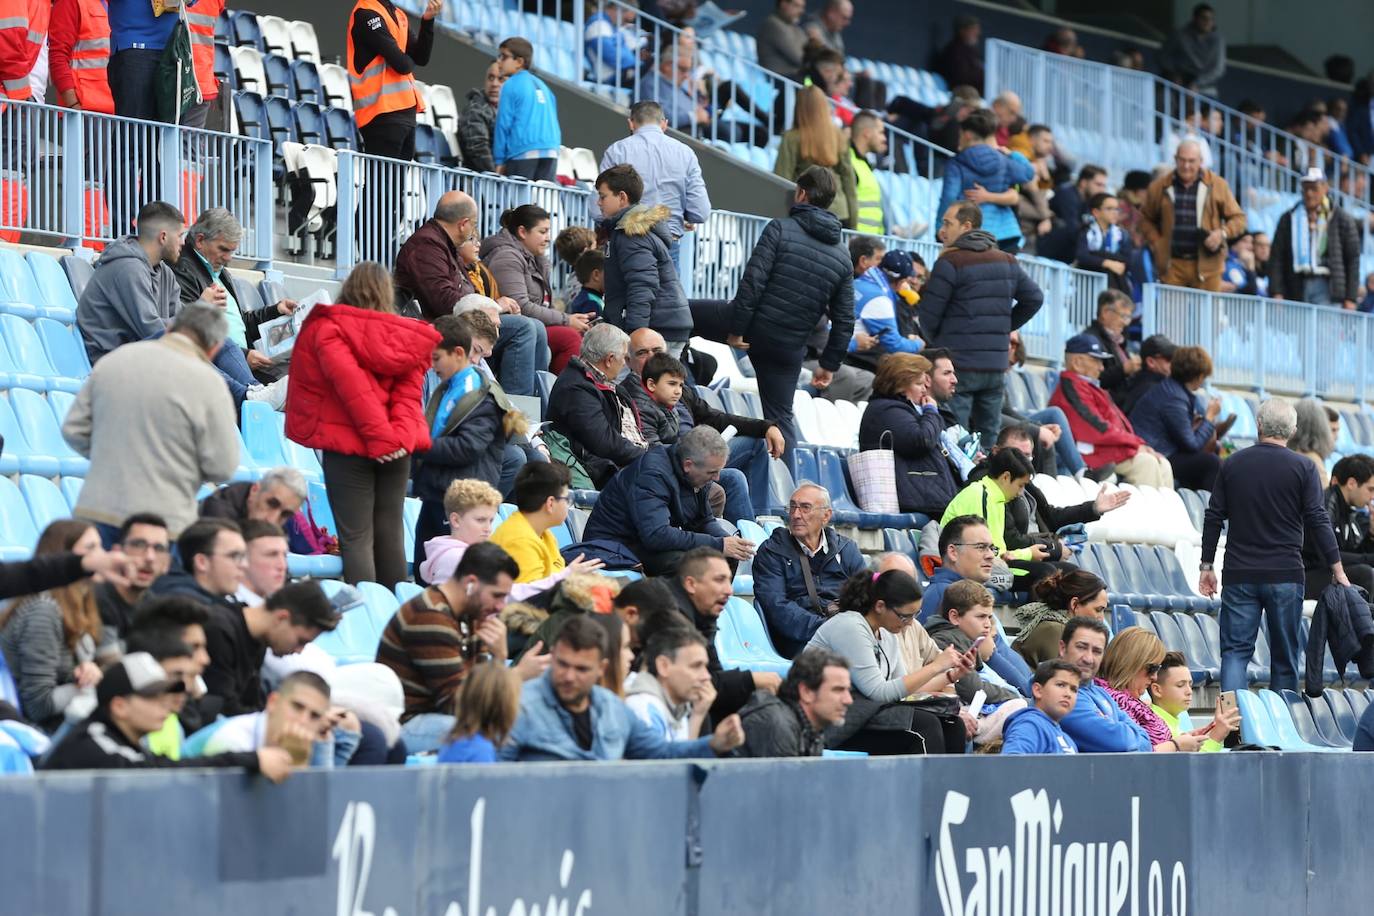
point(935, 592)
point(1098, 725)
point(875, 304)
point(1030, 731)
point(526, 120)
point(996, 172)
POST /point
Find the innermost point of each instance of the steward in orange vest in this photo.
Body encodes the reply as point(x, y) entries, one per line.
point(382, 55)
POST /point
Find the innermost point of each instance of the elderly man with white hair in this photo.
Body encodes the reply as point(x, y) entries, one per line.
point(1188, 220)
point(799, 570)
point(1271, 496)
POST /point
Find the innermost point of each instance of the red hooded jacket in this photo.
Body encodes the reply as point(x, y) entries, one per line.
point(1094, 420)
point(356, 381)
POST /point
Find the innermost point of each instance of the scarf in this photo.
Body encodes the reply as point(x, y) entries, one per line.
point(1109, 241)
point(1309, 240)
point(462, 383)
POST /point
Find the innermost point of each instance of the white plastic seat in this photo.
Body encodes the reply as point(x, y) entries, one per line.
point(849, 418)
point(727, 370)
point(248, 67)
point(805, 415)
point(304, 43)
point(426, 116)
point(276, 35)
point(334, 79)
point(828, 424)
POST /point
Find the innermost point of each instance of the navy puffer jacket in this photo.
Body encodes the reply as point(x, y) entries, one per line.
point(926, 480)
point(642, 288)
point(967, 304)
point(798, 273)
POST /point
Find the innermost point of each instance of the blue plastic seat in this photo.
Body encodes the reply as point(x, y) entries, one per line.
point(1016, 395)
point(1197, 649)
point(1359, 701)
point(45, 501)
point(314, 566)
point(1340, 708)
point(18, 533)
point(780, 486)
point(895, 540)
point(355, 638)
point(281, 128)
point(1326, 721)
point(1138, 560)
point(306, 77)
point(407, 590)
point(1290, 739)
point(244, 28)
point(1306, 726)
point(1123, 568)
point(29, 355)
point(339, 129)
point(804, 467)
point(59, 303)
point(711, 397)
point(751, 530)
point(834, 476)
point(411, 515)
point(258, 424)
point(19, 293)
point(320, 509)
point(43, 435)
point(431, 146)
point(1177, 582)
point(63, 348)
point(308, 122)
point(78, 271)
point(1256, 724)
point(252, 115)
point(71, 490)
point(742, 640)
point(381, 604)
point(1169, 633)
point(280, 82)
point(224, 66)
point(12, 375)
point(504, 511)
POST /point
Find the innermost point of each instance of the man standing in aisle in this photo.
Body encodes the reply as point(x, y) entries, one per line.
point(1271, 496)
point(382, 57)
point(1189, 218)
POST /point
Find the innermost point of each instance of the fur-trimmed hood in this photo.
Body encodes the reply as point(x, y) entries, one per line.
point(641, 219)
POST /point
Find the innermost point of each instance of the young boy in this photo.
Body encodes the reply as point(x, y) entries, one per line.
point(642, 288)
point(966, 615)
point(526, 136)
point(1036, 730)
point(591, 275)
point(1103, 245)
point(981, 164)
point(468, 426)
point(571, 244)
point(541, 501)
point(663, 379)
point(1171, 693)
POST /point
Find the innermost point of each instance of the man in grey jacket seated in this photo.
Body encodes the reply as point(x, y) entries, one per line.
point(814, 697)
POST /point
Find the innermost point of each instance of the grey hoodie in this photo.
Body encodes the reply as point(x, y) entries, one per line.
point(646, 692)
point(126, 299)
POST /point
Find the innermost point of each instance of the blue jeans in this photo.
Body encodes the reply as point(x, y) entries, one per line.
point(233, 365)
point(737, 504)
point(977, 404)
point(1065, 450)
point(426, 732)
point(522, 348)
point(1241, 606)
point(750, 456)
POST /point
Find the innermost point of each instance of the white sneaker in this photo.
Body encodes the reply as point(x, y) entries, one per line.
point(274, 394)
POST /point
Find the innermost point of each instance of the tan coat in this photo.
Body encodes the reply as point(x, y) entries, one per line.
point(1217, 209)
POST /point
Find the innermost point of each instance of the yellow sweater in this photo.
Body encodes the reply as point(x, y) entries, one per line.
point(536, 556)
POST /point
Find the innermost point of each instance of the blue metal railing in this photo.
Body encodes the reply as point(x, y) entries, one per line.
point(80, 177)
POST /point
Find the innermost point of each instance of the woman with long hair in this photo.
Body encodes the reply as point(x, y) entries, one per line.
point(1129, 667)
point(1312, 435)
point(51, 640)
point(357, 375)
point(485, 707)
point(877, 607)
point(518, 261)
point(815, 140)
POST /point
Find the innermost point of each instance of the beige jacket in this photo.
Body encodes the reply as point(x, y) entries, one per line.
point(156, 420)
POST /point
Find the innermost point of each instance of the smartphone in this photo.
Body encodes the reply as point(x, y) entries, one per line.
point(1226, 700)
point(978, 642)
point(728, 433)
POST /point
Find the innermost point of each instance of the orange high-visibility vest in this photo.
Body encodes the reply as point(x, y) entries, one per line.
point(378, 89)
point(91, 57)
point(23, 29)
point(200, 22)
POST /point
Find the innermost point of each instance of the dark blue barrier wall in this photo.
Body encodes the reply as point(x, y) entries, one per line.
point(1245, 833)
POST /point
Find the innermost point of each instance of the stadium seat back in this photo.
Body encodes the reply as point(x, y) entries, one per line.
point(19, 292)
point(1325, 720)
point(43, 434)
point(79, 272)
point(1256, 724)
point(1340, 708)
point(252, 115)
point(26, 349)
point(780, 487)
point(64, 351)
point(832, 467)
point(71, 491)
point(743, 640)
point(407, 590)
point(250, 70)
point(45, 501)
point(276, 35)
point(304, 43)
point(1290, 739)
point(804, 414)
point(18, 533)
point(244, 28)
point(804, 466)
point(1301, 714)
point(1359, 701)
point(751, 530)
point(52, 286)
point(381, 604)
point(261, 434)
point(334, 83)
point(1196, 649)
point(831, 429)
point(320, 508)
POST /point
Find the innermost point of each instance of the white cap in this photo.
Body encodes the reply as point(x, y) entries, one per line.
point(1314, 175)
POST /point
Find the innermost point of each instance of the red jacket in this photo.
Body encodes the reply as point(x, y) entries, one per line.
point(1094, 419)
point(356, 381)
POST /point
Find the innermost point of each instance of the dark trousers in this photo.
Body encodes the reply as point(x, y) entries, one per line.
point(390, 136)
point(1194, 470)
point(777, 374)
point(929, 734)
point(133, 74)
point(368, 499)
point(1358, 573)
point(432, 523)
point(977, 404)
point(533, 169)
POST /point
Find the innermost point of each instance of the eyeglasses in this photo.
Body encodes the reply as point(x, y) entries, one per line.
point(904, 618)
point(564, 498)
point(138, 545)
point(238, 557)
point(803, 508)
point(1153, 670)
point(981, 548)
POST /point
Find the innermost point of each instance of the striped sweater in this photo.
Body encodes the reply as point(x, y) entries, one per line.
point(423, 644)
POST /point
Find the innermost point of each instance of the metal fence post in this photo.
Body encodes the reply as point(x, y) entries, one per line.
point(1262, 351)
point(170, 185)
point(1362, 366)
point(73, 124)
point(1148, 304)
point(345, 217)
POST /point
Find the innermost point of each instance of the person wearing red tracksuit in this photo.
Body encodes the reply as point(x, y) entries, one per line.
point(357, 374)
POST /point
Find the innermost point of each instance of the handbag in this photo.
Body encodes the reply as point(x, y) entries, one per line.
point(176, 86)
point(874, 473)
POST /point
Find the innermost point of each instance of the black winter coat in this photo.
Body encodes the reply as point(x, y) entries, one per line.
point(1352, 534)
point(588, 414)
point(693, 410)
point(926, 480)
point(734, 687)
point(1343, 620)
point(650, 507)
point(1342, 258)
point(798, 273)
point(193, 276)
point(470, 444)
point(642, 288)
point(967, 304)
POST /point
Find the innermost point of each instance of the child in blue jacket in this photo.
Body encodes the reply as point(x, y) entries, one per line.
point(993, 176)
point(1035, 729)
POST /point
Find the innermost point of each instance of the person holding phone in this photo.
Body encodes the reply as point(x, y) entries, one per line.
point(966, 622)
point(1171, 694)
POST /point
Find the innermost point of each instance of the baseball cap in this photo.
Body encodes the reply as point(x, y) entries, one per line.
point(1157, 345)
point(1086, 345)
point(899, 264)
point(1313, 175)
point(136, 673)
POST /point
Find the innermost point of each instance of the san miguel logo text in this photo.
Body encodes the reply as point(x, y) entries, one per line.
point(1039, 875)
